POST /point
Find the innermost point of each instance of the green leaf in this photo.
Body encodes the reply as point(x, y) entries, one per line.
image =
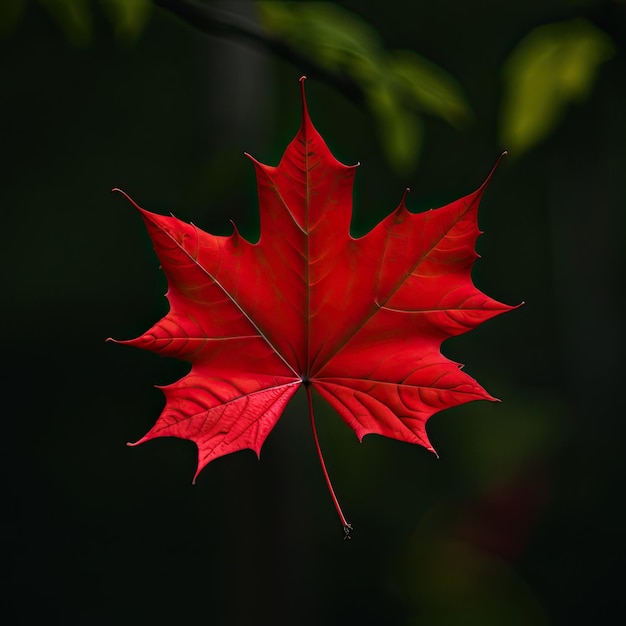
point(335, 37)
point(430, 88)
point(397, 85)
point(552, 67)
point(400, 131)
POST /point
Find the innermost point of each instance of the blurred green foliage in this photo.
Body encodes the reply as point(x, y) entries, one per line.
point(399, 85)
point(553, 66)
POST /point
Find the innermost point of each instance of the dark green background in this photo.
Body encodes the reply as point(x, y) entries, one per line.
point(520, 521)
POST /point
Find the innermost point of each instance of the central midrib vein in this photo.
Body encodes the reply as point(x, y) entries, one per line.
point(307, 260)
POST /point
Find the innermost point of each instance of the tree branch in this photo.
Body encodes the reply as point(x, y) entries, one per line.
point(215, 21)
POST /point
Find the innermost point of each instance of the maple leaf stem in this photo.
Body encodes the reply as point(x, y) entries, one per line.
point(346, 527)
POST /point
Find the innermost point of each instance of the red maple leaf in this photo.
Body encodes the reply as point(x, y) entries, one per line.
point(361, 321)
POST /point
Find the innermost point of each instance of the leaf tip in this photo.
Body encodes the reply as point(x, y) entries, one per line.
point(132, 444)
point(489, 397)
point(302, 80)
point(236, 234)
point(305, 111)
point(118, 190)
point(492, 172)
point(254, 161)
point(199, 468)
